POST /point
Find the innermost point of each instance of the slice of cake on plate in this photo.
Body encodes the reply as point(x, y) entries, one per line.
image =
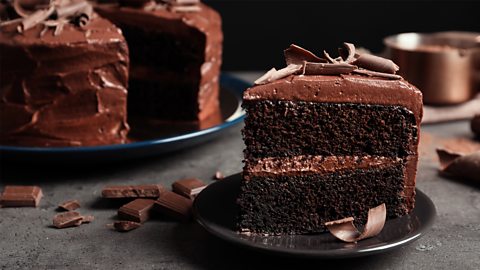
point(63, 76)
point(175, 51)
point(328, 138)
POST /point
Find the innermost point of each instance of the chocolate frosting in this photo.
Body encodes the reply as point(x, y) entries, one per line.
point(314, 164)
point(206, 21)
point(64, 90)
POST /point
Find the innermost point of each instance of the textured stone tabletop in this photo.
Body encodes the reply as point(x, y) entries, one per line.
point(27, 240)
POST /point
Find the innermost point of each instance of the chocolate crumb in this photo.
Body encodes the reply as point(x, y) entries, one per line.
point(218, 176)
point(69, 205)
point(125, 225)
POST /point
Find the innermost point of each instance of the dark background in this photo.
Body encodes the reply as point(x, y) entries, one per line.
point(257, 32)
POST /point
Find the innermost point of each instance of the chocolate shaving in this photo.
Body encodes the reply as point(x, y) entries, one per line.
point(125, 226)
point(34, 19)
point(329, 58)
point(69, 205)
point(459, 164)
point(298, 55)
point(327, 68)
point(376, 63)
point(218, 176)
point(345, 230)
point(377, 74)
point(184, 8)
point(349, 57)
point(21, 196)
point(273, 74)
point(71, 9)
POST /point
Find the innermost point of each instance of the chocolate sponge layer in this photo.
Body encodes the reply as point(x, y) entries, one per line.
point(287, 128)
point(302, 203)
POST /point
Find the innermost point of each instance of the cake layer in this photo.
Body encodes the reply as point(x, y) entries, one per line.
point(301, 203)
point(175, 60)
point(63, 90)
point(292, 128)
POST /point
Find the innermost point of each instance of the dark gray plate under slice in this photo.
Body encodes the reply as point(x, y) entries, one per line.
point(215, 210)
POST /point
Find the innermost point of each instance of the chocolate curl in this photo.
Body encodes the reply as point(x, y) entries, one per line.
point(345, 230)
point(377, 74)
point(376, 63)
point(327, 68)
point(17, 6)
point(85, 16)
point(273, 74)
point(185, 2)
point(35, 18)
point(184, 9)
point(329, 58)
point(349, 49)
point(297, 55)
point(459, 164)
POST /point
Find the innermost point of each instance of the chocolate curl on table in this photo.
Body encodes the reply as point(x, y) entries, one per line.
point(459, 164)
point(345, 230)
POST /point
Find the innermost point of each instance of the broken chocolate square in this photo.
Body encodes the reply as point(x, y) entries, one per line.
point(137, 210)
point(21, 196)
point(137, 191)
point(189, 187)
point(125, 225)
point(174, 205)
point(67, 219)
point(69, 205)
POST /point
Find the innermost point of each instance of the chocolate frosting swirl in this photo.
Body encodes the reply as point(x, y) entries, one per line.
point(64, 90)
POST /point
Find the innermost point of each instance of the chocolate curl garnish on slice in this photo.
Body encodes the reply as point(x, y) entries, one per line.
point(35, 18)
point(298, 55)
point(273, 74)
point(345, 230)
point(460, 165)
point(377, 74)
point(327, 68)
point(376, 63)
point(348, 52)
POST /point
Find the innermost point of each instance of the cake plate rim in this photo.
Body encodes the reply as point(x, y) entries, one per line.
point(233, 237)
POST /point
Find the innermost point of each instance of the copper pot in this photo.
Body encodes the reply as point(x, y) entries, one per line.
point(445, 66)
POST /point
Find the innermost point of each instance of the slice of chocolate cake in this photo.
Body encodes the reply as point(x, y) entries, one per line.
point(63, 76)
point(175, 51)
point(328, 139)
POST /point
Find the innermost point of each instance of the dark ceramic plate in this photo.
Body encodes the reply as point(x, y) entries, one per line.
point(155, 142)
point(215, 210)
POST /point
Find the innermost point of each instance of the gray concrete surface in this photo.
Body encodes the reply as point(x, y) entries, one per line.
point(28, 242)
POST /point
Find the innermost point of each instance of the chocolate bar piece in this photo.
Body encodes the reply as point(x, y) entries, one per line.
point(189, 187)
point(125, 225)
point(67, 219)
point(138, 191)
point(21, 196)
point(137, 210)
point(174, 205)
point(69, 205)
point(70, 219)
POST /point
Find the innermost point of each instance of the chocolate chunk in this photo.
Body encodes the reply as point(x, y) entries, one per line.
point(67, 219)
point(298, 55)
point(125, 226)
point(69, 205)
point(189, 187)
point(137, 210)
point(138, 191)
point(328, 68)
point(345, 230)
point(460, 165)
point(218, 176)
point(174, 205)
point(21, 196)
point(475, 125)
point(376, 63)
point(70, 219)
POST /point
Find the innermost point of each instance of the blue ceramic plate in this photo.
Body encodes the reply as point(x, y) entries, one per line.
point(231, 114)
point(215, 209)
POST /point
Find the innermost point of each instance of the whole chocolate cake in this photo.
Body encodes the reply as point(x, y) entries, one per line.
point(328, 138)
point(175, 52)
point(63, 76)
